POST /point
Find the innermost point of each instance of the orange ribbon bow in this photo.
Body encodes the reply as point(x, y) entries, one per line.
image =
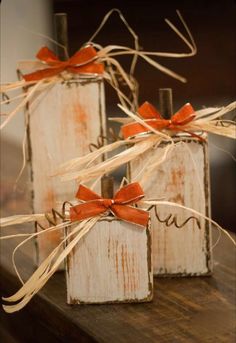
point(119, 205)
point(83, 61)
point(153, 118)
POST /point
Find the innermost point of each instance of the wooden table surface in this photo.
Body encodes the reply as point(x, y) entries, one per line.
point(198, 309)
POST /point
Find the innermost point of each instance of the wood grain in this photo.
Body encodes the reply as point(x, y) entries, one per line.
point(63, 122)
point(112, 263)
point(183, 178)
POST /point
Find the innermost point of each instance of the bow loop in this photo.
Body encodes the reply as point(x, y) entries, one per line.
point(47, 55)
point(184, 115)
point(83, 56)
point(129, 194)
point(86, 194)
point(148, 111)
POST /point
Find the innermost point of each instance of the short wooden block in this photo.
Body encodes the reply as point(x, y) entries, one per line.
point(183, 178)
point(112, 263)
point(63, 122)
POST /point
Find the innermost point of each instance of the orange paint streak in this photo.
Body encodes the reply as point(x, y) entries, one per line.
point(117, 259)
point(133, 273)
point(175, 185)
point(81, 120)
point(179, 199)
point(177, 177)
point(123, 267)
point(75, 121)
point(109, 247)
point(128, 269)
point(49, 200)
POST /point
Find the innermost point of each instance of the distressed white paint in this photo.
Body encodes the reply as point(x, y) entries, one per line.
point(112, 263)
point(183, 178)
point(63, 122)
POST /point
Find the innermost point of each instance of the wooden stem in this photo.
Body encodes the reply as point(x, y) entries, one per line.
point(166, 102)
point(107, 187)
point(61, 29)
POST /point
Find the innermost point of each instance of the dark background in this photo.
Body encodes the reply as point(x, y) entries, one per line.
point(210, 74)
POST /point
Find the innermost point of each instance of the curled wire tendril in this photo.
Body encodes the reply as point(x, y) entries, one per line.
point(172, 219)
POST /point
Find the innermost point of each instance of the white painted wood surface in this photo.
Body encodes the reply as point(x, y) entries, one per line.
point(63, 122)
point(112, 263)
point(183, 178)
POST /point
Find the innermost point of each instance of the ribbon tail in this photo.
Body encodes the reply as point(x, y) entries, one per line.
point(42, 74)
point(133, 129)
point(194, 135)
point(86, 210)
point(131, 214)
point(90, 68)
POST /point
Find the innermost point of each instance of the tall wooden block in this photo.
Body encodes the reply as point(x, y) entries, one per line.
point(112, 263)
point(183, 178)
point(62, 123)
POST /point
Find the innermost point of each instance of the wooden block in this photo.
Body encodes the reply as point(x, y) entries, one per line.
point(183, 178)
point(112, 263)
point(63, 122)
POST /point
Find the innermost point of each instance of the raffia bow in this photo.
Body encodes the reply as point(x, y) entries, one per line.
point(119, 205)
point(153, 118)
point(82, 62)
